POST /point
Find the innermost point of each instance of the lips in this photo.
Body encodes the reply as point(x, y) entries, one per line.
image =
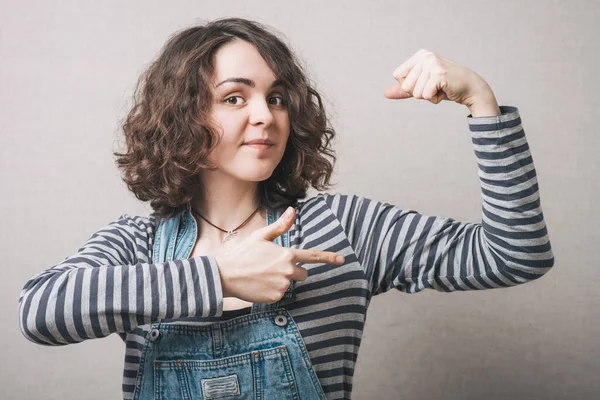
point(260, 141)
point(259, 146)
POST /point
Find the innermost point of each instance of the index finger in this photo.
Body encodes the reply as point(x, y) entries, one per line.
point(404, 69)
point(311, 256)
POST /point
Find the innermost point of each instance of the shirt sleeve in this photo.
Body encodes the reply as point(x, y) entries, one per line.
point(103, 288)
point(408, 251)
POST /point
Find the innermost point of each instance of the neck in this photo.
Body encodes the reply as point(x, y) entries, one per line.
point(226, 203)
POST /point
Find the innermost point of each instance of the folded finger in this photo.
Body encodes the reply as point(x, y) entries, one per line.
point(299, 274)
point(404, 68)
point(411, 79)
point(430, 92)
point(418, 90)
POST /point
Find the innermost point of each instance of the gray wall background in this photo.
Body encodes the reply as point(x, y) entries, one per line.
point(67, 71)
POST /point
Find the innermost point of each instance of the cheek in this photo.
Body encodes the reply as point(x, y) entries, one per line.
point(231, 129)
point(284, 126)
point(228, 143)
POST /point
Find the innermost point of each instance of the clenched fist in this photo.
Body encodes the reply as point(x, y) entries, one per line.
point(429, 76)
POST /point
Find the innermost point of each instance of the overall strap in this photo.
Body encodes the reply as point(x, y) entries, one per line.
point(165, 240)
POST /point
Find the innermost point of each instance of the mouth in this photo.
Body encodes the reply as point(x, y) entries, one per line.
point(259, 146)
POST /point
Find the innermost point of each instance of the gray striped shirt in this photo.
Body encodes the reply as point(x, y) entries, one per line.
point(110, 285)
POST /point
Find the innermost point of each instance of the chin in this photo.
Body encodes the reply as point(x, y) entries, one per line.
point(257, 175)
point(251, 170)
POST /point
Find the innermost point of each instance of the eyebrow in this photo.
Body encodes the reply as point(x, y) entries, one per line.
point(249, 82)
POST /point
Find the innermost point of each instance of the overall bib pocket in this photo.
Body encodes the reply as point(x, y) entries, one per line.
point(261, 374)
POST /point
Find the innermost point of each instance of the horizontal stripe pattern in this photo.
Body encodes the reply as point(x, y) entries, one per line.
point(110, 286)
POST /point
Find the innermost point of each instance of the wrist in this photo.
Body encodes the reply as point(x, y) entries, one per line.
point(482, 101)
point(484, 106)
point(224, 281)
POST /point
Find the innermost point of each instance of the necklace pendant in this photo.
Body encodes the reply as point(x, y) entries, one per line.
point(229, 235)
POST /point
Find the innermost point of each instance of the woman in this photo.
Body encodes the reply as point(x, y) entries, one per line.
point(226, 134)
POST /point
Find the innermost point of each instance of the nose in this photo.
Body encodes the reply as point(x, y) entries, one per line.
point(260, 113)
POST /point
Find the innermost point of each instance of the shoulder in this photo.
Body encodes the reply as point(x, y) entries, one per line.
point(337, 203)
point(333, 200)
point(348, 209)
point(134, 225)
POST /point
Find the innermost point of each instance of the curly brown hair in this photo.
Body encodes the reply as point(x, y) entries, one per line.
point(169, 134)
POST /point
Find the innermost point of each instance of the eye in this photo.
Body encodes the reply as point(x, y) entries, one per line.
point(281, 99)
point(232, 97)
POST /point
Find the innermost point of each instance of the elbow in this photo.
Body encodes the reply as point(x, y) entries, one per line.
point(34, 335)
point(525, 262)
point(30, 336)
point(543, 261)
point(33, 326)
point(546, 264)
point(523, 271)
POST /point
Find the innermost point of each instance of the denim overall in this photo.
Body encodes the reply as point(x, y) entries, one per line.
point(260, 355)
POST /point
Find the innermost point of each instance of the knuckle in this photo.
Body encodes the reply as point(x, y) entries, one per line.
point(288, 272)
point(288, 255)
point(275, 295)
point(315, 255)
point(438, 70)
point(431, 57)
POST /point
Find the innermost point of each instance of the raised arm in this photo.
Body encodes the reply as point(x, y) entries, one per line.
point(408, 251)
point(103, 288)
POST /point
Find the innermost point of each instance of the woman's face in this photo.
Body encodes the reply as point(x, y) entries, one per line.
point(248, 110)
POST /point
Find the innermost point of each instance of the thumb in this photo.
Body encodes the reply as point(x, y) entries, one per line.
point(396, 92)
point(279, 227)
